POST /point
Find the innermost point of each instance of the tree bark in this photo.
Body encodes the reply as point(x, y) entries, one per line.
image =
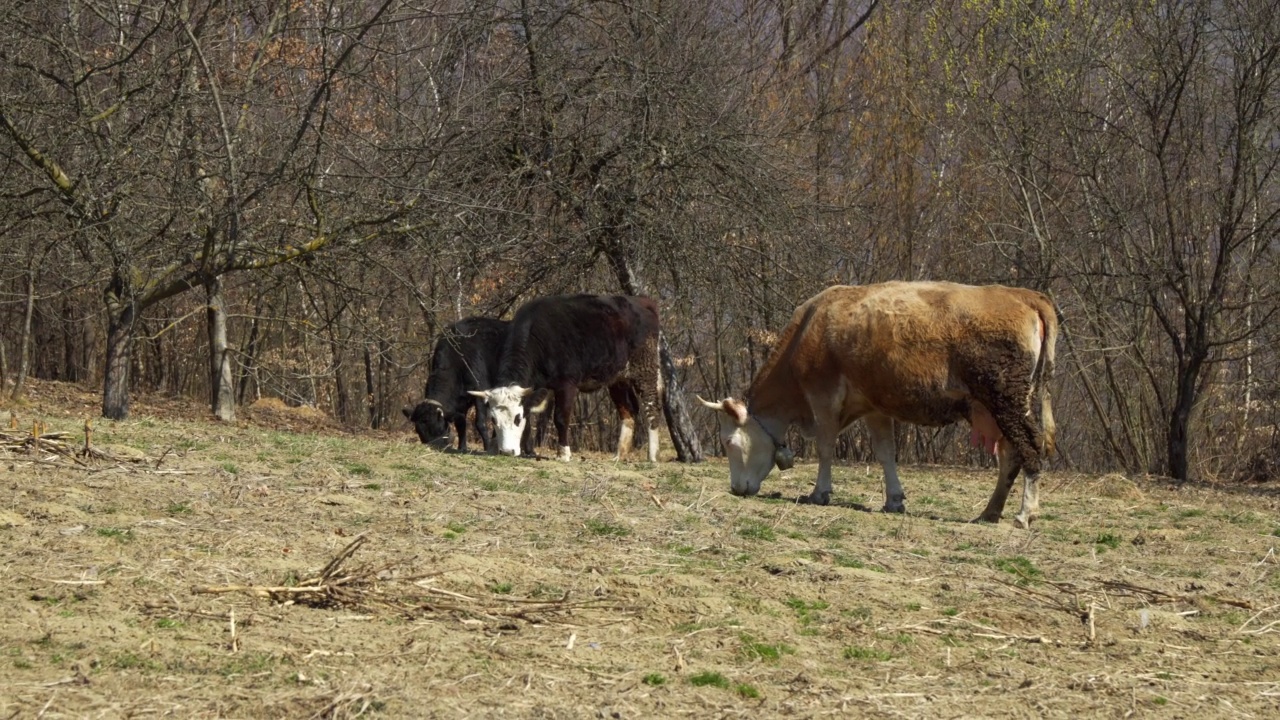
point(221, 383)
point(24, 343)
point(248, 370)
point(684, 438)
point(369, 396)
point(122, 320)
point(1180, 419)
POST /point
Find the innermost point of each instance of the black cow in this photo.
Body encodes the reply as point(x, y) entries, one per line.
point(465, 359)
point(572, 343)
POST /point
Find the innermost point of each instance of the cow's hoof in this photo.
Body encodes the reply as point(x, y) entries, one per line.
point(986, 518)
point(1023, 522)
point(816, 498)
point(895, 504)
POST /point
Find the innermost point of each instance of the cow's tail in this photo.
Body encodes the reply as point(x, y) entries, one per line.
point(1043, 372)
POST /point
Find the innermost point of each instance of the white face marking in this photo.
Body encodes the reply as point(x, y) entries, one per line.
point(506, 407)
point(749, 447)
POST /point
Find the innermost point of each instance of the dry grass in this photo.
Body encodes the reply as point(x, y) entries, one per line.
point(269, 570)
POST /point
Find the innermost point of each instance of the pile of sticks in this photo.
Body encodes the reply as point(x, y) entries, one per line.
point(39, 441)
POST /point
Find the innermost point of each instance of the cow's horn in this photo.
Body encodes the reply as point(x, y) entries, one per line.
point(783, 457)
point(435, 402)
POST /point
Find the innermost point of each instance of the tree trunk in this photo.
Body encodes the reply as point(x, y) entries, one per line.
point(122, 319)
point(248, 370)
point(4, 367)
point(684, 438)
point(221, 383)
point(24, 343)
point(1180, 419)
point(369, 388)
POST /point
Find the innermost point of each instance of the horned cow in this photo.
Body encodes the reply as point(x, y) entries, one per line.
point(926, 353)
point(465, 359)
point(578, 343)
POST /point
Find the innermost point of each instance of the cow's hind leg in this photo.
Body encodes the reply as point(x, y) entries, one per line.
point(624, 401)
point(1010, 464)
point(886, 450)
point(563, 413)
point(1023, 439)
point(646, 382)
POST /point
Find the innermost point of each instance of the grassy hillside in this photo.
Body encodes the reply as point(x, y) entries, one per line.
point(148, 580)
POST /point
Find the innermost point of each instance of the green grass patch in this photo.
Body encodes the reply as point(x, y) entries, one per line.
point(746, 691)
point(1020, 567)
point(764, 651)
point(502, 588)
point(1107, 540)
point(709, 679)
point(118, 534)
point(358, 468)
point(756, 530)
point(807, 612)
point(606, 529)
point(866, 654)
point(654, 679)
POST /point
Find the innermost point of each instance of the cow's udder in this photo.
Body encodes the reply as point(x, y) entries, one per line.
point(984, 432)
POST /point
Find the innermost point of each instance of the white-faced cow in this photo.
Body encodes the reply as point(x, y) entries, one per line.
point(465, 359)
point(578, 343)
point(927, 353)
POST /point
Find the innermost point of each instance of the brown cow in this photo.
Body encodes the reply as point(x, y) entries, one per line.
point(927, 353)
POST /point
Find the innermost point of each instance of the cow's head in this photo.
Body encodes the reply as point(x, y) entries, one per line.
point(429, 422)
point(751, 449)
point(510, 411)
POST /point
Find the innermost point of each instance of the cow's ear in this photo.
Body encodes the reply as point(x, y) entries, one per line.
point(540, 402)
point(733, 408)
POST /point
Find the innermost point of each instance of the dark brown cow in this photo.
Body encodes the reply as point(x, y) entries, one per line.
point(572, 343)
point(465, 358)
point(927, 353)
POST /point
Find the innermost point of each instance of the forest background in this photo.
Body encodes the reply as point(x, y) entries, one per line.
point(236, 199)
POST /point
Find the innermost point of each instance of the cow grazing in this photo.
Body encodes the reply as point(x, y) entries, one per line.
point(572, 343)
point(927, 353)
point(465, 359)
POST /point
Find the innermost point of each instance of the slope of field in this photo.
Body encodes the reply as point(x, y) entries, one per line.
point(148, 581)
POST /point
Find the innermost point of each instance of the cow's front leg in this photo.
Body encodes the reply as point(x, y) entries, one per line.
point(460, 426)
point(885, 448)
point(564, 411)
point(482, 426)
point(821, 494)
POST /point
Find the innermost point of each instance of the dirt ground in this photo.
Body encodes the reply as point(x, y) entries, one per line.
point(166, 576)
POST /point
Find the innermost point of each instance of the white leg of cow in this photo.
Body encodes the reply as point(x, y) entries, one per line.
point(565, 455)
point(624, 437)
point(1030, 500)
point(886, 451)
point(653, 443)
